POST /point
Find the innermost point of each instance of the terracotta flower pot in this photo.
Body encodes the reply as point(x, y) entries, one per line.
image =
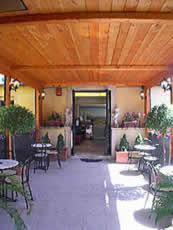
point(121, 157)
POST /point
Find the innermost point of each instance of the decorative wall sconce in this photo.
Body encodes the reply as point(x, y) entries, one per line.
point(142, 93)
point(166, 84)
point(14, 84)
point(42, 94)
point(58, 91)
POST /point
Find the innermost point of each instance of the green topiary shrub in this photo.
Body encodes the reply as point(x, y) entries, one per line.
point(60, 143)
point(45, 138)
point(124, 144)
point(17, 120)
point(139, 139)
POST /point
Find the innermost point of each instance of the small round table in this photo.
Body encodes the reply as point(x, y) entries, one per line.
point(145, 147)
point(8, 164)
point(41, 158)
point(42, 145)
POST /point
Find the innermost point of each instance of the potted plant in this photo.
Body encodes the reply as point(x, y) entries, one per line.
point(160, 120)
point(16, 120)
point(12, 211)
point(139, 139)
point(122, 154)
point(60, 147)
point(55, 119)
point(163, 204)
point(45, 138)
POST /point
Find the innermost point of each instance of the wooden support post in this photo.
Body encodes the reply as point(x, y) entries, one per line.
point(7, 99)
point(147, 105)
point(37, 114)
point(171, 144)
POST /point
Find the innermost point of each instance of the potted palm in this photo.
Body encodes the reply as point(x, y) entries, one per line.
point(160, 120)
point(122, 153)
point(17, 120)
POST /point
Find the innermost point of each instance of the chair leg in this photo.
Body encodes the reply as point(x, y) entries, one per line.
point(30, 191)
point(58, 159)
point(24, 192)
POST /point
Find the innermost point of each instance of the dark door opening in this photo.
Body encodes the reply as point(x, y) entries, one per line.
point(92, 122)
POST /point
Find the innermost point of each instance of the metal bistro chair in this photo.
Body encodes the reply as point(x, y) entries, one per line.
point(24, 179)
point(155, 178)
point(41, 158)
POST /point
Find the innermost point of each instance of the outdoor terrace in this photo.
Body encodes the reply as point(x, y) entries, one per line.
point(87, 196)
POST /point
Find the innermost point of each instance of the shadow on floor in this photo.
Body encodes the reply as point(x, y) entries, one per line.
point(147, 218)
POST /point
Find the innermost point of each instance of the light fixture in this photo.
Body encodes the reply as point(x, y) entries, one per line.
point(42, 94)
point(14, 84)
point(166, 84)
point(142, 93)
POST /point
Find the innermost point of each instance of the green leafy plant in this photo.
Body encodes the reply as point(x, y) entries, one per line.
point(17, 120)
point(160, 120)
point(45, 138)
point(54, 116)
point(60, 143)
point(124, 144)
point(163, 204)
point(15, 215)
point(139, 139)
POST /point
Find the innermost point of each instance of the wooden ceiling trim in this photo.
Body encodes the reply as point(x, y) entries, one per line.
point(94, 67)
point(101, 17)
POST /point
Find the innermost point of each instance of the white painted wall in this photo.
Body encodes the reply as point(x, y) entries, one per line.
point(158, 96)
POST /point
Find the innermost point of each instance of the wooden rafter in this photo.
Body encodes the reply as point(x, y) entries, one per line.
point(95, 67)
point(89, 17)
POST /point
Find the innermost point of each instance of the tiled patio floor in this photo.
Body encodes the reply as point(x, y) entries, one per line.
point(87, 196)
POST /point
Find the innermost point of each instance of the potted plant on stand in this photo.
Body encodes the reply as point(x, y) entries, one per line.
point(122, 154)
point(159, 120)
point(16, 120)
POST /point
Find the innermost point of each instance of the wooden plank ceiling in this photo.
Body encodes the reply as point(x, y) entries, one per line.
point(51, 45)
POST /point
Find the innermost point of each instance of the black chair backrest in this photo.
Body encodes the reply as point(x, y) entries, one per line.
point(25, 170)
point(152, 173)
point(23, 146)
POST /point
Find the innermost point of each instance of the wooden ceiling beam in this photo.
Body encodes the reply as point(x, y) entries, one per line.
point(95, 67)
point(93, 83)
point(149, 17)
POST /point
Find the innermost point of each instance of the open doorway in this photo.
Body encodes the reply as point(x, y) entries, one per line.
point(91, 122)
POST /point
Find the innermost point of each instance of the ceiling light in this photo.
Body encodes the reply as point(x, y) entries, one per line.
point(166, 84)
point(14, 84)
point(142, 93)
point(42, 94)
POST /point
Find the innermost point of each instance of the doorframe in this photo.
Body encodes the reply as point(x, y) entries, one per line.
point(108, 114)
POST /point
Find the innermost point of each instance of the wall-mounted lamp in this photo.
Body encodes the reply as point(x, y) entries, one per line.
point(142, 93)
point(42, 94)
point(14, 84)
point(166, 84)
